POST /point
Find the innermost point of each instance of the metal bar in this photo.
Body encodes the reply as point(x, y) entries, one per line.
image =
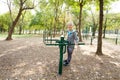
point(47, 37)
point(52, 44)
point(56, 44)
point(61, 56)
point(81, 43)
point(51, 40)
point(51, 37)
point(61, 60)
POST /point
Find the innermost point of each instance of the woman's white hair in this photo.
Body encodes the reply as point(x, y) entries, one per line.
point(70, 23)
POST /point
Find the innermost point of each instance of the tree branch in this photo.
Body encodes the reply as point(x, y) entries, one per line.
point(84, 2)
point(26, 8)
point(10, 10)
point(20, 2)
point(24, 1)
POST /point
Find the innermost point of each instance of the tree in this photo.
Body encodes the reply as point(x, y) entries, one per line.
point(106, 8)
point(80, 4)
point(21, 25)
point(56, 4)
point(99, 44)
point(95, 23)
point(23, 5)
point(38, 21)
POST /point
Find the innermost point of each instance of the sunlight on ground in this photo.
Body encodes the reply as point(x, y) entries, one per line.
point(99, 58)
point(21, 64)
point(96, 67)
point(109, 52)
point(29, 72)
point(116, 63)
point(17, 72)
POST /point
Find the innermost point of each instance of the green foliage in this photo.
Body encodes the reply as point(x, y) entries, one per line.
point(113, 21)
point(107, 4)
point(24, 21)
point(74, 7)
point(46, 13)
point(5, 21)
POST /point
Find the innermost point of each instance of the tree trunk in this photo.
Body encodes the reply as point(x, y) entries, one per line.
point(76, 25)
point(94, 25)
point(35, 31)
point(63, 29)
point(0, 30)
point(30, 32)
point(21, 25)
point(39, 31)
point(104, 31)
point(14, 22)
point(56, 16)
point(80, 19)
point(99, 44)
point(94, 30)
point(105, 25)
point(23, 31)
point(9, 37)
point(55, 27)
point(20, 30)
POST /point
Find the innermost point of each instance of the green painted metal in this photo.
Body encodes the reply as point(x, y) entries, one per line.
point(62, 46)
point(61, 55)
point(51, 39)
point(57, 44)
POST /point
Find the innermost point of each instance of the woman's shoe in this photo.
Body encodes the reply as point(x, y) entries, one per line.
point(65, 63)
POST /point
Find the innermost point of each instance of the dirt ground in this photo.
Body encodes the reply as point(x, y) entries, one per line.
point(30, 59)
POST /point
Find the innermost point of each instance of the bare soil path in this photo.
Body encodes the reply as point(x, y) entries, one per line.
point(30, 59)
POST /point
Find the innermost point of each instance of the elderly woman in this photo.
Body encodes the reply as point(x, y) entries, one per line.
point(72, 38)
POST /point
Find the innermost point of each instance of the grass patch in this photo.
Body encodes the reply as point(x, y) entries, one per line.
point(20, 36)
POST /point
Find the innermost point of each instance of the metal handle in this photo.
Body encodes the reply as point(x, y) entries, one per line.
point(64, 49)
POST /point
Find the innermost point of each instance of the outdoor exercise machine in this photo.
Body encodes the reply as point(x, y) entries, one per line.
point(62, 43)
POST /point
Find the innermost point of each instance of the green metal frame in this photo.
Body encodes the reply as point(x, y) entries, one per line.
point(62, 43)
